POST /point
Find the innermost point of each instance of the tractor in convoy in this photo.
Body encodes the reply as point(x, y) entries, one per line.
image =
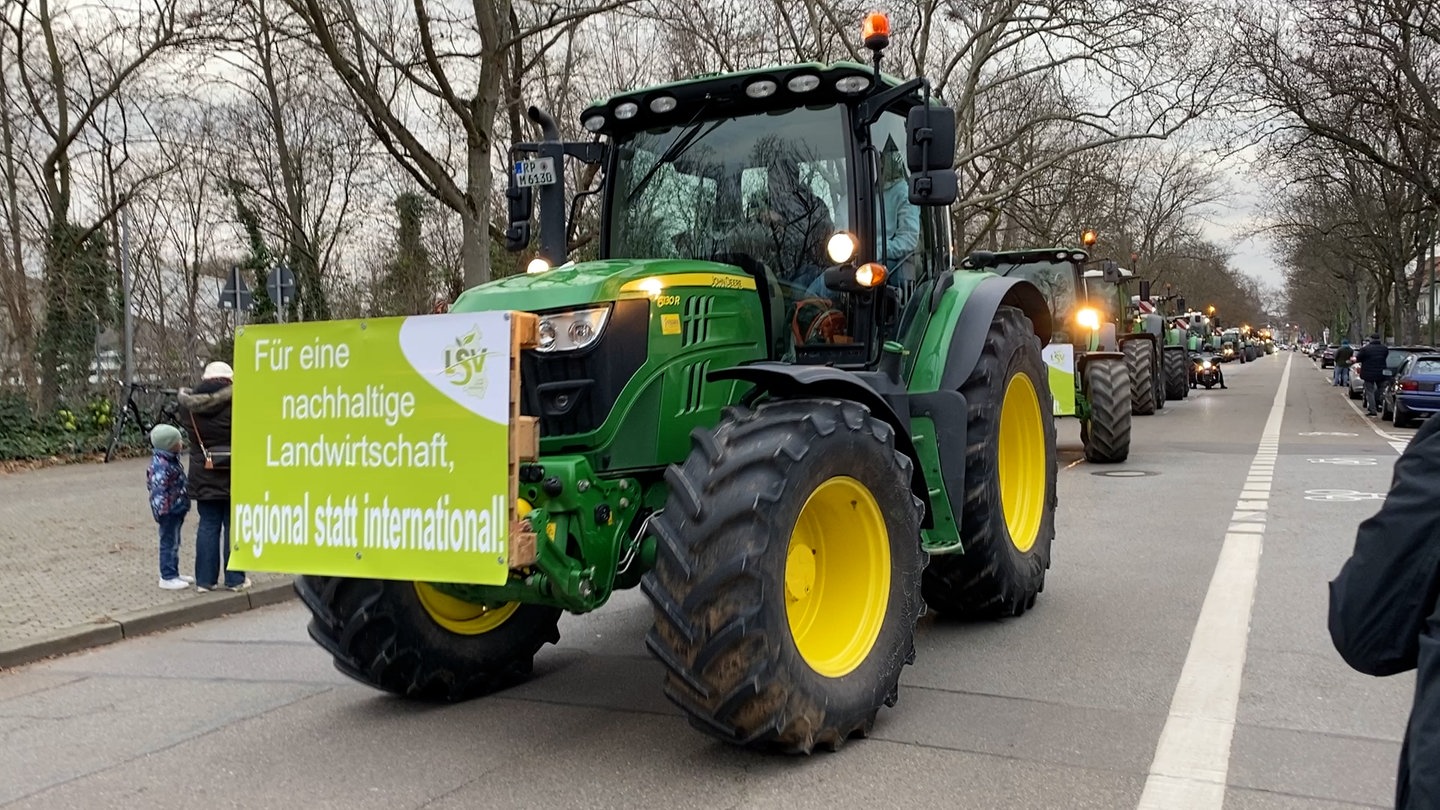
point(1091, 377)
point(773, 403)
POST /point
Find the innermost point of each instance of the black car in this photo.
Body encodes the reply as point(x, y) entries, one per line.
point(1327, 357)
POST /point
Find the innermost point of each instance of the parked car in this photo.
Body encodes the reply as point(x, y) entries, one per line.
point(1415, 390)
point(1357, 385)
point(1398, 355)
point(1327, 357)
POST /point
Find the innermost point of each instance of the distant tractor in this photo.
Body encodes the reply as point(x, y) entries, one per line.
point(1084, 352)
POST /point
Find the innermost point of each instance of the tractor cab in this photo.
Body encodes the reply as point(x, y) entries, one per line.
point(822, 187)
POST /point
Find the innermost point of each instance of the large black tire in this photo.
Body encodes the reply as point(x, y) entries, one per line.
point(380, 634)
point(1107, 433)
point(1140, 360)
point(1002, 567)
point(1175, 373)
point(732, 523)
point(1402, 416)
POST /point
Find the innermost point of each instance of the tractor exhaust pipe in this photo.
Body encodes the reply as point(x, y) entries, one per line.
point(553, 247)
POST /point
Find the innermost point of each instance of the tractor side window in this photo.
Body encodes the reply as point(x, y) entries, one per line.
point(905, 237)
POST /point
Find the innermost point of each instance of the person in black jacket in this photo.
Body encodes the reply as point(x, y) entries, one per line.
point(1372, 357)
point(1385, 607)
point(205, 413)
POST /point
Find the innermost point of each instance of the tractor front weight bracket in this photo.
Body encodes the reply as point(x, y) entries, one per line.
point(581, 524)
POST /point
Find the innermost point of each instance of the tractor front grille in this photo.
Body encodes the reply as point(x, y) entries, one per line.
point(573, 392)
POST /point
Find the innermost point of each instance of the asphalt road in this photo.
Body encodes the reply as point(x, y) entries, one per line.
point(1064, 707)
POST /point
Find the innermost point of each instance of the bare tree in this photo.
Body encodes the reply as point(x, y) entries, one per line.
point(69, 70)
point(418, 73)
point(300, 148)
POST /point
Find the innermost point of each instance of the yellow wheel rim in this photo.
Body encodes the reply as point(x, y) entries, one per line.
point(467, 618)
point(1022, 462)
point(837, 576)
point(459, 616)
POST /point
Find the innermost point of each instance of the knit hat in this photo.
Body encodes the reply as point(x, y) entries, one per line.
point(218, 370)
point(166, 437)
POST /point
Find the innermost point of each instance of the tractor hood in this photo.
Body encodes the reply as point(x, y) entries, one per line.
point(577, 285)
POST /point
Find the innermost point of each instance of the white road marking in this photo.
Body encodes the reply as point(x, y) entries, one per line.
point(1397, 443)
point(1192, 760)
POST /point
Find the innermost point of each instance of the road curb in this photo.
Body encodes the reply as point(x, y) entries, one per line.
point(144, 621)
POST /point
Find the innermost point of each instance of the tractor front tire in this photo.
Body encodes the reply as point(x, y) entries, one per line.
point(1008, 519)
point(787, 573)
point(1139, 360)
point(1107, 434)
point(1175, 374)
point(414, 641)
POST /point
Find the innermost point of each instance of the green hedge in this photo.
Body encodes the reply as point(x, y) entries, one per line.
point(67, 431)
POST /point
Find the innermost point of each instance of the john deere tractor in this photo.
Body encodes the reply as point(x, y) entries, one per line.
point(773, 403)
point(1090, 377)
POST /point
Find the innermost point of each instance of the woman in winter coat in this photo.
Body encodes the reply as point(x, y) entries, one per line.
point(205, 413)
point(1385, 607)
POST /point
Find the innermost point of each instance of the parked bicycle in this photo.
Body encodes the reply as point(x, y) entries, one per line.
point(166, 409)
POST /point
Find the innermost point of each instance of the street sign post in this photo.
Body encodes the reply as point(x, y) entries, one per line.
point(281, 286)
point(236, 295)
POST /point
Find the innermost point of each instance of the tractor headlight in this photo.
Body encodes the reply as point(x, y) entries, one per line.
point(1088, 318)
point(1206, 364)
point(571, 331)
point(841, 247)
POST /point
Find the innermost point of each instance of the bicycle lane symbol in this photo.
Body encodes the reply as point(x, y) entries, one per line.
point(1342, 495)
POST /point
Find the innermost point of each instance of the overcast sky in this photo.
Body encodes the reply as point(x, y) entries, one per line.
point(1228, 225)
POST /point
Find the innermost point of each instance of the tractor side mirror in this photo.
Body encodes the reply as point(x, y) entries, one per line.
point(933, 188)
point(1110, 271)
point(978, 259)
point(517, 229)
point(1145, 290)
point(930, 138)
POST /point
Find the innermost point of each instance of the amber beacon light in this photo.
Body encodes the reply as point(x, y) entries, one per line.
point(876, 31)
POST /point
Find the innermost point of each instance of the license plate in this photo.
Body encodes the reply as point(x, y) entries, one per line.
point(535, 172)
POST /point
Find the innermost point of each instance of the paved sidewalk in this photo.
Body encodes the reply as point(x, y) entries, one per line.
point(79, 563)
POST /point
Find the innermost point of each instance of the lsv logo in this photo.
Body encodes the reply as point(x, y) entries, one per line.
point(465, 363)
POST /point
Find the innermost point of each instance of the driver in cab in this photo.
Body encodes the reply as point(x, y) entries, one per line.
point(794, 224)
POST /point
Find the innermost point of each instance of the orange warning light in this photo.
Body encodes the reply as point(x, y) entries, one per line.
point(876, 31)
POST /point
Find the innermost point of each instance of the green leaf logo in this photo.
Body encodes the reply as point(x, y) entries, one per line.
point(465, 366)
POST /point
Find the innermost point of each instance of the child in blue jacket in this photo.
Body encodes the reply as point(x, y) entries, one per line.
point(168, 501)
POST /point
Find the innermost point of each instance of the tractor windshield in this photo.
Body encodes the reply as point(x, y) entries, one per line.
point(770, 187)
point(1055, 280)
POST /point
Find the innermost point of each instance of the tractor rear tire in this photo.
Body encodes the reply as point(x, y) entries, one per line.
point(1140, 359)
point(383, 634)
point(787, 573)
point(1107, 433)
point(1175, 374)
point(1008, 521)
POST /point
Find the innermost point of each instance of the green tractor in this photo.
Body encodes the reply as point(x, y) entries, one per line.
point(1232, 346)
point(773, 403)
point(1134, 328)
point(1174, 329)
point(1089, 377)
